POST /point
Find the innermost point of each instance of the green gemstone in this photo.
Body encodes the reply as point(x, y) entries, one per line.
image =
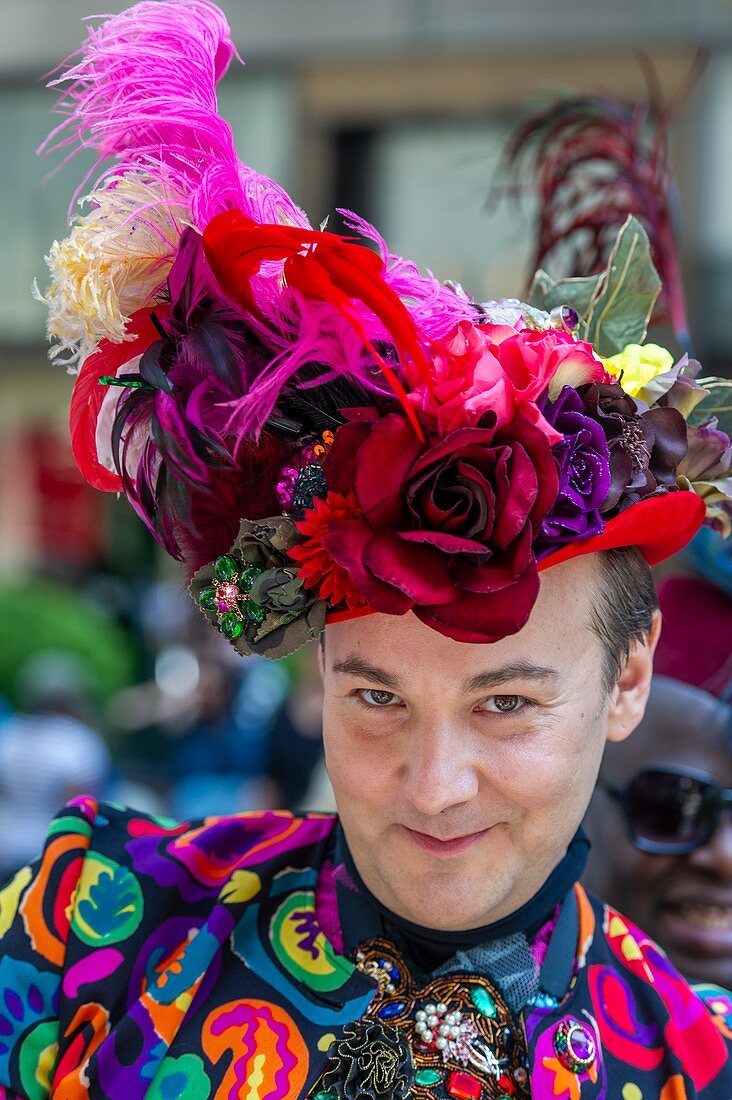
point(207, 598)
point(231, 625)
point(250, 575)
point(225, 568)
point(254, 612)
point(325, 1096)
point(483, 1002)
point(427, 1077)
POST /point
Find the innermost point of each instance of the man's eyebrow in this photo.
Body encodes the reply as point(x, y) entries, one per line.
point(483, 681)
point(517, 670)
point(355, 666)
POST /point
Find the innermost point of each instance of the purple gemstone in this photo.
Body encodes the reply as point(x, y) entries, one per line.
point(570, 318)
point(222, 605)
point(581, 1043)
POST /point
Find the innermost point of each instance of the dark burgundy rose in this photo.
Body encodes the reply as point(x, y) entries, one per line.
point(447, 525)
point(584, 474)
point(645, 447)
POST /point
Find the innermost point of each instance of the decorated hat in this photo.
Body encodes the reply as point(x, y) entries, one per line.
point(312, 426)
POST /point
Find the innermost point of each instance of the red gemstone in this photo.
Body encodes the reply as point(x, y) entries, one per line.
point(463, 1086)
point(506, 1084)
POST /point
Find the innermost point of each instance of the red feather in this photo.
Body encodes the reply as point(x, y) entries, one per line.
point(323, 266)
point(87, 397)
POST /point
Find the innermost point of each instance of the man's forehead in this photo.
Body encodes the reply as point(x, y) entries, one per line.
point(558, 628)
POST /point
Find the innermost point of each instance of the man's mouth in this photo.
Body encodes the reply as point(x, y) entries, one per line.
point(444, 848)
point(699, 925)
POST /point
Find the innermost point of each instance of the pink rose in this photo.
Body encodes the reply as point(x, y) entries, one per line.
point(495, 369)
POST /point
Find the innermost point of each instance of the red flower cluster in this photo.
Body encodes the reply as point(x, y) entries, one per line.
point(318, 569)
point(443, 528)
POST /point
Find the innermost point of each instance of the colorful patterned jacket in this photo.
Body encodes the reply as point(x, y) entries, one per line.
point(140, 958)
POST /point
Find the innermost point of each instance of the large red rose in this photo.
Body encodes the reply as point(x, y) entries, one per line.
point(445, 528)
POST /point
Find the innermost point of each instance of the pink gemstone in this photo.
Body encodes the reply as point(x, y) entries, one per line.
point(229, 592)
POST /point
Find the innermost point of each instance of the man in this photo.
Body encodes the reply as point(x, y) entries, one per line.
point(661, 838)
point(469, 499)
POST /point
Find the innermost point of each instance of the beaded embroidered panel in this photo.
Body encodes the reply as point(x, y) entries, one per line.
point(452, 1039)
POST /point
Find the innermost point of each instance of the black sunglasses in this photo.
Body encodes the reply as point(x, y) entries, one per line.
point(670, 811)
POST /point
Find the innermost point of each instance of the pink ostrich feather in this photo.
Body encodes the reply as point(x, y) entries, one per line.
point(435, 307)
point(303, 331)
point(142, 92)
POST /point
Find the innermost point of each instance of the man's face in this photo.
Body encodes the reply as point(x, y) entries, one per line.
point(462, 771)
point(684, 902)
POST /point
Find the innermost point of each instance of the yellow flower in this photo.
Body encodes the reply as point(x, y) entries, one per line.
point(638, 364)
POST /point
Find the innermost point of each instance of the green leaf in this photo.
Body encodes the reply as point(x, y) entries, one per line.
point(717, 403)
point(626, 294)
point(541, 285)
point(547, 294)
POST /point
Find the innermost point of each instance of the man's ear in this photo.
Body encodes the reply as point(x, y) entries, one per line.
point(630, 694)
point(321, 655)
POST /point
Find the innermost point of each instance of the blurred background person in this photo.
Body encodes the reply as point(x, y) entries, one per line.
point(50, 752)
point(660, 820)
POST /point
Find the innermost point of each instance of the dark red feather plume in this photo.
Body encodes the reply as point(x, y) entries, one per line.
point(594, 160)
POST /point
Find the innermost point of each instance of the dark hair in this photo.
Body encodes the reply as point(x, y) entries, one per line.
point(623, 611)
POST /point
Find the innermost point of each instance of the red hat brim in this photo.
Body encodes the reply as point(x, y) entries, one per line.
point(658, 526)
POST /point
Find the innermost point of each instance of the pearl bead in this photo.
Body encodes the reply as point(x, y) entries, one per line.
point(390, 987)
point(433, 1021)
point(454, 1032)
point(442, 1009)
point(427, 1036)
point(420, 1014)
point(441, 1044)
point(360, 956)
point(450, 1018)
point(430, 1009)
point(444, 1029)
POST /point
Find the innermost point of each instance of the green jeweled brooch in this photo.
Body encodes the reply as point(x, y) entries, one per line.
point(230, 596)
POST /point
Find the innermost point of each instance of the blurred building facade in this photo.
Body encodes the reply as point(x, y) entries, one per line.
point(396, 108)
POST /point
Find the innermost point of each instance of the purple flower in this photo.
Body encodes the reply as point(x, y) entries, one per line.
point(584, 474)
point(645, 447)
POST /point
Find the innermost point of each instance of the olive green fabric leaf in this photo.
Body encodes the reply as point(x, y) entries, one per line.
point(717, 403)
point(626, 293)
point(292, 614)
point(547, 293)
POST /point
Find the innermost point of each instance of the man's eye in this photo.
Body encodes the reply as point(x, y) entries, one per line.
point(504, 704)
point(375, 698)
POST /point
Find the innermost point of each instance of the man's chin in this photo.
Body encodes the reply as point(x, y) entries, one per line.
point(449, 901)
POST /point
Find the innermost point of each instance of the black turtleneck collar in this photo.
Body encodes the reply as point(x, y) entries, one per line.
point(363, 916)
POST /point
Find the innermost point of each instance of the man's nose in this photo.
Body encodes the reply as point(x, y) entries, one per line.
point(715, 857)
point(440, 771)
